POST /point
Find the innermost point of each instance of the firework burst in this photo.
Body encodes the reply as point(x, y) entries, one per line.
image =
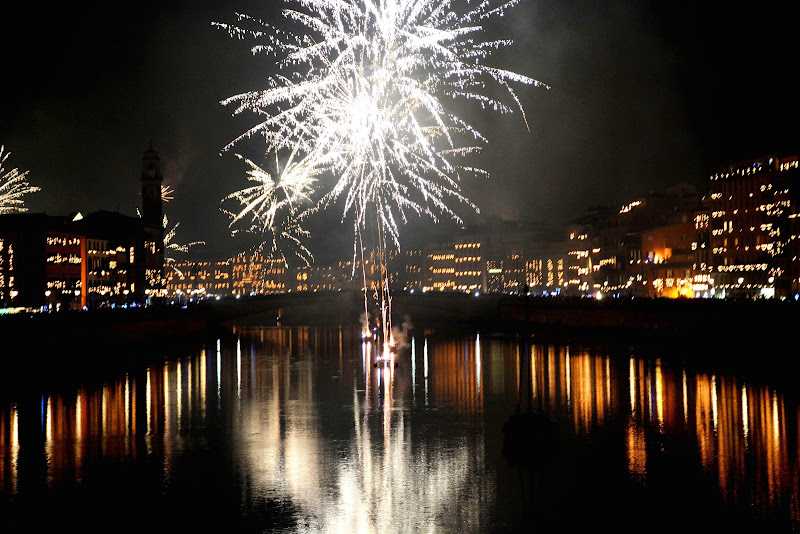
point(273, 208)
point(365, 89)
point(13, 186)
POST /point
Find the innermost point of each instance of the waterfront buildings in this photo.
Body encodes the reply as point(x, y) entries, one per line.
point(74, 261)
point(752, 207)
point(739, 238)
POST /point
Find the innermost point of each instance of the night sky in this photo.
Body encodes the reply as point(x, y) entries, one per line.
point(644, 95)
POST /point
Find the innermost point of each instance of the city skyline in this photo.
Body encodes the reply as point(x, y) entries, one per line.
point(642, 96)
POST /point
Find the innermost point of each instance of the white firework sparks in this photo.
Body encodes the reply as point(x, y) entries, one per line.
point(13, 186)
point(171, 246)
point(365, 89)
point(275, 206)
point(365, 84)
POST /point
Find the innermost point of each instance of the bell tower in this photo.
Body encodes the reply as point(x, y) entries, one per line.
point(153, 222)
point(152, 212)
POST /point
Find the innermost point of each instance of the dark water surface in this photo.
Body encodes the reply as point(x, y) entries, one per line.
point(279, 428)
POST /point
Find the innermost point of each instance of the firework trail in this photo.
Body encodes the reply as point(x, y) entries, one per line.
point(13, 186)
point(365, 89)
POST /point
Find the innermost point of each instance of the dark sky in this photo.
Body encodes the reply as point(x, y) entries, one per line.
point(643, 95)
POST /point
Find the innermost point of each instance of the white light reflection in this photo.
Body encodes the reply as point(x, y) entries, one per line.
point(377, 480)
point(425, 368)
point(49, 451)
point(127, 408)
point(685, 389)
point(413, 368)
point(79, 414)
point(178, 395)
point(379, 471)
point(15, 448)
point(745, 418)
point(776, 425)
point(478, 360)
point(219, 375)
point(632, 383)
point(714, 406)
point(567, 366)
point(48, 419)
point(239, 368)
point(167, 399)
point(659, 395)
point(148, 409)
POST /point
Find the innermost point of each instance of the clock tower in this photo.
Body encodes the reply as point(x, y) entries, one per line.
point(153, 222)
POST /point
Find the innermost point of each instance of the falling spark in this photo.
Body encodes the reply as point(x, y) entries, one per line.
point(13, 186)
point(363, 92)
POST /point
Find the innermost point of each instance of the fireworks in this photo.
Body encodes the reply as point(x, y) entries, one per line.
point(166, 193)
point(364, 92)
point(13, 186)
point(171, 246)
point(365, 84)
point(273, 208)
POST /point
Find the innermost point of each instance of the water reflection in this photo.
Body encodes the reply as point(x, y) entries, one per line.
point(302, 417)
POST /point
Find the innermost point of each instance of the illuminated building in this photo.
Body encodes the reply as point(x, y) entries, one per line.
point(406, 269)
point(752, 207)
point(440, 269)
point(101, 259)
point(115, 270)
point(668, 264)
point(222, 283)
point(585, 235)
point(703, 278)
point(41, 262)
point(468, 263)
point(199, 279)
point(495, 279)
point(258, 275)
point(107, 269)
point(546, 274)
point(607, 251)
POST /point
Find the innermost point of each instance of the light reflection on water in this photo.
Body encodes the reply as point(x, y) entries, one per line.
point(302, 419)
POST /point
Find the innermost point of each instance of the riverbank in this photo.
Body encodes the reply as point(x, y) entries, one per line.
point(715, 320)
point(729, 327)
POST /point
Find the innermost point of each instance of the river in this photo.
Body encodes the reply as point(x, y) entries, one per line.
point(280, 428)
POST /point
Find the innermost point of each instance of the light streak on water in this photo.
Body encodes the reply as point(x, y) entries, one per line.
point(425, 367)
point(239, 368)
point(685, 396)
point(659, 395)
point(745, 418)
point(478, 361)
point(399, 459)
point(219, 374)
point(714, 405)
